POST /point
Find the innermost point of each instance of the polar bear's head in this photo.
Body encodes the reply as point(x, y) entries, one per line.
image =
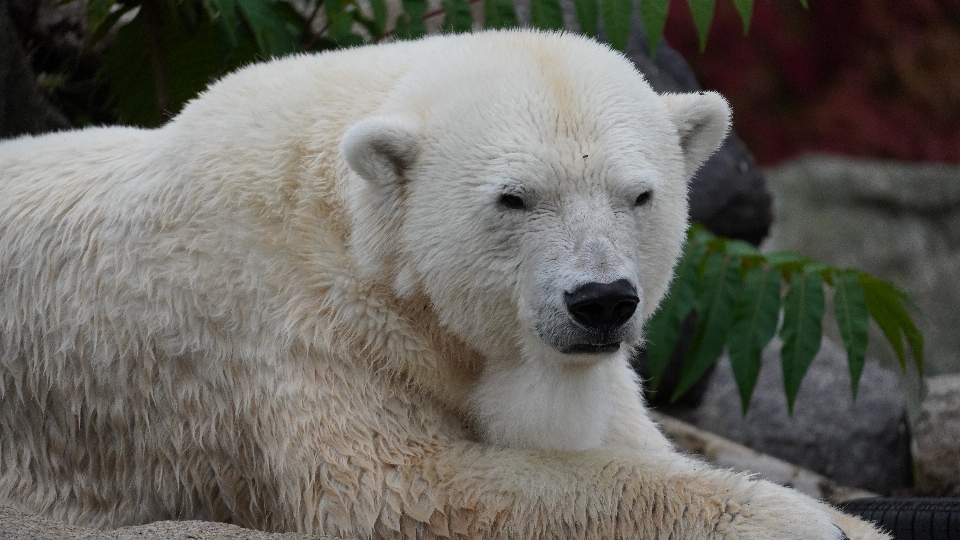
point(534, 188)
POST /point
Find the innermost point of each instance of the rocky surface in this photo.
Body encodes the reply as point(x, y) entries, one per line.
point(863, 444)
point(730, 455)
point(16, 525)
point(936, 442)
point(898, 221)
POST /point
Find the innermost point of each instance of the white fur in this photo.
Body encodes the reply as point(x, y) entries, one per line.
point(541, 403)
point(302, 306)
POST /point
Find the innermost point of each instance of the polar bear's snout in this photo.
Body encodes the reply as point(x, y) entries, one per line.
point(601, 307)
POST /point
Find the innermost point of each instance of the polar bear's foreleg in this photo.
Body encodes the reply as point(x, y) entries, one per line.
point(634, 486)
point(473, 491)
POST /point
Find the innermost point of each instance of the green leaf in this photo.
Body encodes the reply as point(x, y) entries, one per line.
point(654, 15)
point(616, 21)
point(499, 14)
point(188, 58)
point(546, 14)
point(379, 16)
point(786, 259)
point(226, 12)
point(410, 23)
point(663, 329)
point(109, 22)
point(341, 24)
point(884, 301)
point(268, 27)
point(126, 65)
point(745, 9)
point(801, 331)
point(741, 248)
point(754, 325)
point(587, 14)
point(702, 11)
point(457, 17)
point(97, 13)
point(804, 4)
point(720, 285)
point(853, 319)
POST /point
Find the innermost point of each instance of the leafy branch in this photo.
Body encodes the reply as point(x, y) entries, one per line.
point(737, 294)
point(188, 43)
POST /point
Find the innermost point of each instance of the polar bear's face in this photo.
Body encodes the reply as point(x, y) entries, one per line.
point(541, 217)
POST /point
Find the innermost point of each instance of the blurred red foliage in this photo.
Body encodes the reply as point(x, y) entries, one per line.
point(870, 78)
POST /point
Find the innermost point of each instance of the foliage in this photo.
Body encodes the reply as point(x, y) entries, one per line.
point(735, 292)
point(166, 51)
point(801, 79)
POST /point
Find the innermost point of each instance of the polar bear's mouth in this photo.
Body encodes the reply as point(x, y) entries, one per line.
point(592, 348)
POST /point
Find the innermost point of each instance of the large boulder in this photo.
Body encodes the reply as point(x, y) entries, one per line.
point(898, 221)
point(936, 441)
point(863, 444)
point(17, 525)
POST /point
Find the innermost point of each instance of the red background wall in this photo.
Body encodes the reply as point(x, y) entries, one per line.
point(870, 78)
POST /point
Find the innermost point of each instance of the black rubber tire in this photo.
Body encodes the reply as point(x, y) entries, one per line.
point(915, 518)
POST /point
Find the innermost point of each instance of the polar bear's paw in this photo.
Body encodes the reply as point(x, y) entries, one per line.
point(773, 512)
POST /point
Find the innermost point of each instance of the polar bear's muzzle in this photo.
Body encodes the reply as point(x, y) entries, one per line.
point(597, 318)
point(602, 306)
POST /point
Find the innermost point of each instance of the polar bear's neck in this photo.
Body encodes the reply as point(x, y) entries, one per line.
point(541, 404)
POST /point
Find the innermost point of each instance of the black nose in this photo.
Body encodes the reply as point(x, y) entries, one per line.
point(602, 305)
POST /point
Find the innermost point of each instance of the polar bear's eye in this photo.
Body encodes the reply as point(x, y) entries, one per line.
point(512, 202)
point(642, 199)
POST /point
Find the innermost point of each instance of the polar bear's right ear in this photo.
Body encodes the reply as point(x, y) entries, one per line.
point(380, 148)
point(702, 120)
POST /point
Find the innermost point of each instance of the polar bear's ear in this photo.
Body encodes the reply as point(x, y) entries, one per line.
point(380, 148)
point(702, 121)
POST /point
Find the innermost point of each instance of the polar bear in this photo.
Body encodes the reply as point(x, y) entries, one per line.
point(386, 292)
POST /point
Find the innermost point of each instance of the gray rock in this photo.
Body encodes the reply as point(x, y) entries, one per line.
point(863, 444)
point(936, 435)
point(17, 525)
point(898, 221)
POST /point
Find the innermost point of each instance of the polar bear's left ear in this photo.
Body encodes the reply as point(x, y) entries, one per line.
point(380, 148)
point(702, 120)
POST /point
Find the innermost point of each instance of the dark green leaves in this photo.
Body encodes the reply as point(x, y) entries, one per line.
point(735, 292)
point(754, 325)
point(719, 288)
point(587, 13)
point(499, 14)
point(546, 14)
point(456, 16)
point(885, 304)
point(97, 13)
point(654, 15)
point(702, 11)
point(663, 329)
point(410, 23)
point(745, 9)
point(379, 8)
point(616, 21)
point(268, 27)
point(853, 320)
point(801, 330)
